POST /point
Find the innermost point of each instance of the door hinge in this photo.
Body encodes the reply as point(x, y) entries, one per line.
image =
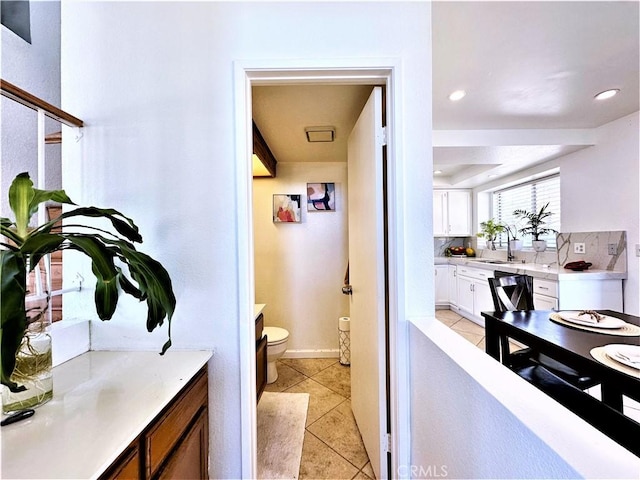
point(386, 442)
point(383, 136)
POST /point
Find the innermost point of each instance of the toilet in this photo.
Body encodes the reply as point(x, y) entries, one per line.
point(276, 345)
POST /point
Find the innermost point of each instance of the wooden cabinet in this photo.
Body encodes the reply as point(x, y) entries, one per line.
point(451, 213)
point(261, 357)
point(175, 444)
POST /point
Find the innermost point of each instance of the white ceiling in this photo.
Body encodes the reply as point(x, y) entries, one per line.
point(530, 70)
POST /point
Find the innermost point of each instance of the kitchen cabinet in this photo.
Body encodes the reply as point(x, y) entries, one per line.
point(474, 294)
point(578, 293)
point(453, 285)
point(451, 213)
point(545, 294)
point(441, 281)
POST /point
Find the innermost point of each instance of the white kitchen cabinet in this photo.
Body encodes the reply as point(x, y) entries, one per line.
point(474, 293)
point(441, 280)
point(453, 285)
point(545, 294)
point(451, 213)
point(577, 293)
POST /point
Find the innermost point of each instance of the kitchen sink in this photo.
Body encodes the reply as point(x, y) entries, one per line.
point(498, 262)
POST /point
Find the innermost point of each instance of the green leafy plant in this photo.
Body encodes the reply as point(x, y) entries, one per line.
point(490, 230)
point(23, 247)
point(536, 222)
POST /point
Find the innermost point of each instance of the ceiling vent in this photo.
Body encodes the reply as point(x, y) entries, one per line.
point(320, 134)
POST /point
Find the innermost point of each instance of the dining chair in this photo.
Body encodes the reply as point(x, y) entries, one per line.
point(515, 293)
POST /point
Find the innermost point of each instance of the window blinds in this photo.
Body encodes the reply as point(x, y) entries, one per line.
point(530, 196)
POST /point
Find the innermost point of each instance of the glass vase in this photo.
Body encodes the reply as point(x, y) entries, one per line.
point(33, 368)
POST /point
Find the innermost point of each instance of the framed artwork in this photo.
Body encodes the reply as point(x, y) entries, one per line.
point(287, 208)
point(321, 197)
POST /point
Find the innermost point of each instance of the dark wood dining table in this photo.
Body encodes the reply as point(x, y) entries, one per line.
point(566, 344)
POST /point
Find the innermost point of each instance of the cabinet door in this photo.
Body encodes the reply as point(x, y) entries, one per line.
point(459, 213)
point(453, 285)
point(189, 460)
point(482, 300)
point(440, 221)
point(441, 281)
point(465, 294)
point(543, 302)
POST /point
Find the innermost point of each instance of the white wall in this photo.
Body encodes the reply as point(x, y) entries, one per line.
point(300, 267)
point(600, 191)
point(34, 67)
point(154, 84)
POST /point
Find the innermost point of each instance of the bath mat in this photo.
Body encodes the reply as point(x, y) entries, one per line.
point(281, 423)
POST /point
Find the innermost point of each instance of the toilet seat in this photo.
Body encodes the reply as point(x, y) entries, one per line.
point(275, 335)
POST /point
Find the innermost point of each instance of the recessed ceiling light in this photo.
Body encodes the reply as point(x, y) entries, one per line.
point(607, 94)
point(437, 172)
point(457, 95)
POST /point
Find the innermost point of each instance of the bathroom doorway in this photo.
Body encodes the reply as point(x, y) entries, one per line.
point(328, 77)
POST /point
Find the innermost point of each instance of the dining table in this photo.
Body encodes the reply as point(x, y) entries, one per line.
point(568, 344)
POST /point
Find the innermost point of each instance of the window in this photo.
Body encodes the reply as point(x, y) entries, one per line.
point(530, 196)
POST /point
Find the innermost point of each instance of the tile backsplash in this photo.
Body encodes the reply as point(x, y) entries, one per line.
point(596, 249)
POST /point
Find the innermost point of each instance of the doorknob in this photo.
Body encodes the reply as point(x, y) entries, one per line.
point(347, 290)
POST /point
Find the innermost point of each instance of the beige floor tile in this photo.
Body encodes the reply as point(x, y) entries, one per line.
point(464, 325)
point(482, 345)
point(471, 337)
point(361, 476)
point(448, 317)
point(321, 398)
point(337, 377)
point(319, 461)
point(309, 366)
point(339, 431)
point(287, 378)
point(368, 472)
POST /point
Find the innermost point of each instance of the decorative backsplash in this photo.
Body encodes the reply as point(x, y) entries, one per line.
point(596, 246)
point(596, 250)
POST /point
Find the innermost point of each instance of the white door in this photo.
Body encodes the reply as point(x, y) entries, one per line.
point(366, 274)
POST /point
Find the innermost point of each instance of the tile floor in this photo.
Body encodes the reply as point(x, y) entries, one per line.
point(475, 334)
point(332, 448)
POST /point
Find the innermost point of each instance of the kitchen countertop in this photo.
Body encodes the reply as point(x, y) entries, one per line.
point(101, 402)
point(533, 269)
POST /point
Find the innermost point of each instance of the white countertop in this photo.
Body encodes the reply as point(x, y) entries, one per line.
point(534, 269)
point(101, 402)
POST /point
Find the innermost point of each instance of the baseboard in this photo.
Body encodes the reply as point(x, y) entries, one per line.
point(331, 353)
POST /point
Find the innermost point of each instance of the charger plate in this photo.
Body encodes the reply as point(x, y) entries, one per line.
point(627, 330)
point(600, 354)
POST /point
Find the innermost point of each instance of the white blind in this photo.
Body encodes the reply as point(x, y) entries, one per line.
point(530, 196)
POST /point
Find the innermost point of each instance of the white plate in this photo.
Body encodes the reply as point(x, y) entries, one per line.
point(605, 322)
point(631, 351)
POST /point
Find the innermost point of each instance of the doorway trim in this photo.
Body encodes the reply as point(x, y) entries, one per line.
point(363, 71)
